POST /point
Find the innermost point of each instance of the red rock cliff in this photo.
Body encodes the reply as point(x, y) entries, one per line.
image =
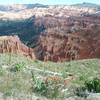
point(12, 44)
point(69, 39)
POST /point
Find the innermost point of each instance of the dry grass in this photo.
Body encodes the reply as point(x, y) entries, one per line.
point(18, 84)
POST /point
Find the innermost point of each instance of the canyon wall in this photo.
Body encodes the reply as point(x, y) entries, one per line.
point(66, 39)
point(12, 44)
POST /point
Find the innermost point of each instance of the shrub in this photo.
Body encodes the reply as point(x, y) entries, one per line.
point(39, 86)
point(89, 86)
point(48, 88)
point(93, 85)
point(18, 67)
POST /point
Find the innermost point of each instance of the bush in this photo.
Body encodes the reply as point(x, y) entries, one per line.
point(89, 86)
point(18, 67)
point(39, 86)
point(93, 85)
point(48, 88)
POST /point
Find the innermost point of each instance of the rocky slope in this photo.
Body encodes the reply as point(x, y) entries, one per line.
point(12, 44)
point(67, 39)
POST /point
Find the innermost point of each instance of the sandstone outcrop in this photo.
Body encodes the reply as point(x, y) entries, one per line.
point(12, 44)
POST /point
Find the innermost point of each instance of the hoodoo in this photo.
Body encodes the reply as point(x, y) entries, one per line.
point(12, 44)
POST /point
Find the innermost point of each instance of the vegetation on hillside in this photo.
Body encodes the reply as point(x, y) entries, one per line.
point(23, 78)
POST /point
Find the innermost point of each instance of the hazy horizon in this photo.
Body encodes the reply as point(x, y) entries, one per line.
point(47, 2)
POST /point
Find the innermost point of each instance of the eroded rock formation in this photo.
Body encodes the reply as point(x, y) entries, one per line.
point(68, 39)
point(12, 44)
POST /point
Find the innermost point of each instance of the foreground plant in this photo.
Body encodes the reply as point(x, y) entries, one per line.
point(93, 85)
point(18, 67)
point(90, 86)
point(49, 89)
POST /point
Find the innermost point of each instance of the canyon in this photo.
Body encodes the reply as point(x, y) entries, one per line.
point(67, 39)
point(50, 52)
point(54, 33)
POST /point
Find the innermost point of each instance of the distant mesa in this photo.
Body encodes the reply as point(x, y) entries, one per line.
point(19, 7)
point(88, 5)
